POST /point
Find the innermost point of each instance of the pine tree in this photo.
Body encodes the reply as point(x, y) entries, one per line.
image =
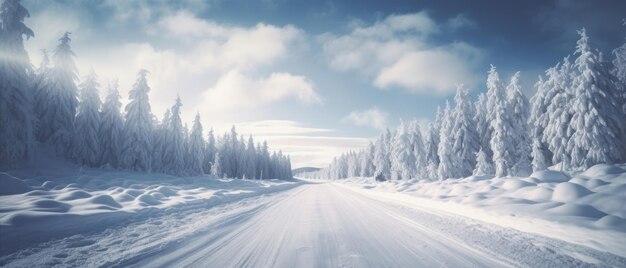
point(41, 90)
point(175, 150)
point(560, 98)
point(401, 164)
point(138, 127)
point(86, 147)
point(540, 153)
point(417, 155)
point(196, 148)
point(216, 168)
point(620, 61)
point(445, 148)
point(483, 167)
point(597, 120)
point(57, 124)
point(16, 116)
point(110, 131)
point(483, 128)
point(160, 140)
point(466, 142)
point(501, 136)
point(251, 160)
point(381, 162)
point(518, 116)
point(210, 150)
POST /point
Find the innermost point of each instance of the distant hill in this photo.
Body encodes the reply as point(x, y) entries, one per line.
point(304, 169)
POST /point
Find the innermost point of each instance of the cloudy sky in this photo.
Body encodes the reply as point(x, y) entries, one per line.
point(316, 78)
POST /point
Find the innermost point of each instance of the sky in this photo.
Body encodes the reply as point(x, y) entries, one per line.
point(316, 78)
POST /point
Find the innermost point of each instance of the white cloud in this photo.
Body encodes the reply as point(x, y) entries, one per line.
point(397, 53)
point(373, 117)
point(235, 91)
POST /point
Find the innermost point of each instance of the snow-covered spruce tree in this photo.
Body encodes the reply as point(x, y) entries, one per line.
point(160, 138)
point(483, 128)
point(173, 158)
point(518, 116)
point(365, 161)
point(41, 91)
point(418, 151)
point(110, 130)
point(432, 145)
point(381, 162)
point(401, 164)
point(209, 153)
point(136, 152)
point(559, 112)
point(597, 119)
point(216, 168)
point(57, 123)
point(501, 143)
point(483, 167)
point(447, 168)
point(242, 158)
point(251, 160)
point(464, 135)
point(196, 148)
point(16, 115)
point(86, 146)
point(619, 62)
point(540, 153)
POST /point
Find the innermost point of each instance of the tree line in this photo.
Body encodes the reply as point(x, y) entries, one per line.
point(47, 107)
point(577, 118)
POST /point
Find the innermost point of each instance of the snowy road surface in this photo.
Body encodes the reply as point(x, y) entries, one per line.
point(312, 225)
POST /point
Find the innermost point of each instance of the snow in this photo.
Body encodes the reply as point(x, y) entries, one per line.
point(587, 208)
point(57, 199)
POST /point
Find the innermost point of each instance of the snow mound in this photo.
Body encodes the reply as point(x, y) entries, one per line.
point(568, 192)
point(578, 211)
point(602, 169)
point(550, 176)
point(514, 184)
point(12, 185)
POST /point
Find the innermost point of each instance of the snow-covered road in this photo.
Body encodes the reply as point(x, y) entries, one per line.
point(313, 225)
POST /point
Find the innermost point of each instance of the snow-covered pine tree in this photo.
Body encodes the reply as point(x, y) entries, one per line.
point(465, 138)
point(418, 151)
point(445, 151)
point(365, 161)
point(86, 146)
point(16, 116)
point(136, 152)
point(597, 120)
point(110, 131)
point(174, 147)
point(41, 91)
point(518, 116)
point(251, 161)
point(209, 153)
point(483, 128)
point(57, 123)
point(216, 168)
point(432, 145)
point(619, 62)
point(196, 148)
point(501, 143)
point(559, 99)
point(540, 153)
point(483, 167)
point(381, 162)
point(160, 138)
point(401, 164)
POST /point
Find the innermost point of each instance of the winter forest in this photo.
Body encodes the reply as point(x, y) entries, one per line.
point(576, 119)
point(48, 108)
point(200, 133)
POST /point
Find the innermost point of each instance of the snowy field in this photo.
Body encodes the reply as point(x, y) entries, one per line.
point(47, 202)
point(587, 208)
point(88, 218)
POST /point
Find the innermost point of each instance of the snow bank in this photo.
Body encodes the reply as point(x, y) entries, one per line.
point(594, 199)
point(40, 204)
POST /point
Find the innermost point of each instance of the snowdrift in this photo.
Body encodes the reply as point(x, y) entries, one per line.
point(58, 199)
point(593, 199)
